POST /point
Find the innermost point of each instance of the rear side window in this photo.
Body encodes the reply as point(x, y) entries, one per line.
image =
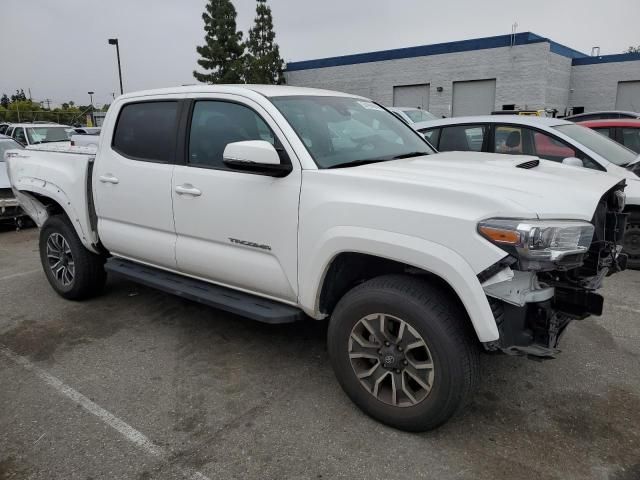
point(19, 135)
point(147, 131)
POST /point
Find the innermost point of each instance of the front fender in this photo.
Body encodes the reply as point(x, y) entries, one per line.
point(417, 252)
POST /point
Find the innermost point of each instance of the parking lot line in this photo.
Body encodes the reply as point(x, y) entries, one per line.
point(114, 422)
point(21, 274)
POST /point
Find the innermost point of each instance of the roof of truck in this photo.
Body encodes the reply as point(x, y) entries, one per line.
point(265, 90)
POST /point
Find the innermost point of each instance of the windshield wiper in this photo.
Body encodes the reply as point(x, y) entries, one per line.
point(355, 163)
point(409, 155)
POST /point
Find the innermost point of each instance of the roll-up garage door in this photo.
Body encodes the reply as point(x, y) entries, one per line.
point(411, 96)
point(628, 97)
point(477, 97)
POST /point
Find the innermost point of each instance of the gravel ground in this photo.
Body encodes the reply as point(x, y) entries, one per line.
point(137, 384)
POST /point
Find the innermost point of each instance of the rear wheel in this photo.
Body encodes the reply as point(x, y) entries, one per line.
point(73, 271)
point(401, 349)
point(631, 240)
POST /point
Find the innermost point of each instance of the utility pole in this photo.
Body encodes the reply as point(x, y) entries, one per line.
point(48, 102)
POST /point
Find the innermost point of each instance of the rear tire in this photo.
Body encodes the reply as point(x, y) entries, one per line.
point(631, 241)
point(74, 272)
point(409, 396)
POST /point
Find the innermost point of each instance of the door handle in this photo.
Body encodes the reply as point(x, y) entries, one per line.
point(188, 189)
point(108, 179)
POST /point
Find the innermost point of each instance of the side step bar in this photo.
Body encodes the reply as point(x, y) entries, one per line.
point(229, 300)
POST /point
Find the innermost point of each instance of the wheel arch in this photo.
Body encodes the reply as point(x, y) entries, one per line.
point(42, 203)
point(346, 268)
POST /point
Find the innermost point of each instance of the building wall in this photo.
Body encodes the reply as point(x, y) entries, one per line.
point(558, 82)
point(522, 76)
point(595, 86)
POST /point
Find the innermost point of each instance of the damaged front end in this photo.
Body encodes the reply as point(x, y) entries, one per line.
point(551, 274)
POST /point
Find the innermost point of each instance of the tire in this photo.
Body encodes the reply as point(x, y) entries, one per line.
point(450, 346)
point(631, 241)
point(85, 275)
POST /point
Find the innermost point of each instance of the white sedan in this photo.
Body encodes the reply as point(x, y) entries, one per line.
point(550, 139)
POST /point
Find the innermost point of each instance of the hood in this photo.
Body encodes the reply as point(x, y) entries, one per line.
point(548, 190)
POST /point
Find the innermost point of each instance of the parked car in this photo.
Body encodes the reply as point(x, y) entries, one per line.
point(86, 139)
point(9, 207)
point(411, 114)
point(625, 131)
point(86, 130)
point(283, 204)
point(549, 139)
point(36, 133)
point(603, 115)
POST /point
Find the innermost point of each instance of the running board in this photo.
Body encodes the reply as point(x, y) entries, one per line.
point(227, 299)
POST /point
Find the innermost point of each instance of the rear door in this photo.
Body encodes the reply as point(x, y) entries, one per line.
point(132, 182)
point(235, 228)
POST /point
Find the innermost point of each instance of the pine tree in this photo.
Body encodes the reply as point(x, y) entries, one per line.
point(263, 62)
point(222, 53)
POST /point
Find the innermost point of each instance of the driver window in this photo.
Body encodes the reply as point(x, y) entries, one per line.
point(215, 124)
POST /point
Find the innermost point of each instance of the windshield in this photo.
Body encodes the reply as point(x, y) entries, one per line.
point(419, 115)
point(47, 134)
point(339, 131)
point(7, 144)
point(603, 146)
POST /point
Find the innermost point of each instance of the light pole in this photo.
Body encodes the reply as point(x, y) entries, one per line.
point(91, 107)
point(114, 41)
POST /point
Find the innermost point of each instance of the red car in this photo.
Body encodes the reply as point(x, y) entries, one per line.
point(623, 130)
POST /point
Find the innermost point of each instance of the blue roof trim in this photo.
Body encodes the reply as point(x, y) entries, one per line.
point(524, 38)
point(621, 57)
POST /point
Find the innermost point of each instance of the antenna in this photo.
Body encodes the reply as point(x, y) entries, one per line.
point(514, 29)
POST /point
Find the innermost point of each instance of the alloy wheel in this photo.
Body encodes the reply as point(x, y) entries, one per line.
point(60, 259)
point(391, 360)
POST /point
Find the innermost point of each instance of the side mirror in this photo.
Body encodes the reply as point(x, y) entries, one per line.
point(573, 161)
point(255, 156)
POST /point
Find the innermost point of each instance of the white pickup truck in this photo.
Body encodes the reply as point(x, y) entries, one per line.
point(285, 204)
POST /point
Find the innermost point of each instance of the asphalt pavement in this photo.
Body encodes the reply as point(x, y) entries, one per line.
point(137, 384)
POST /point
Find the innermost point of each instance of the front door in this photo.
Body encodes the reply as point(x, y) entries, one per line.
point(233, 227)
point(132, 183)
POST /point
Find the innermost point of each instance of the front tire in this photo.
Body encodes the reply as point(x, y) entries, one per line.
point(402, 351)
point(631, 241)
point(74, 272)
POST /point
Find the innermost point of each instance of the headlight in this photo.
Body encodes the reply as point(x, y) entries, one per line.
point(540, 244)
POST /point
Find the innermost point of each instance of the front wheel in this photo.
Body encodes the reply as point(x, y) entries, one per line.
point(73, 271)
point(402, 351)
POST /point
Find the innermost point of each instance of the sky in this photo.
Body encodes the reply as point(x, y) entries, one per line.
point(59, 50)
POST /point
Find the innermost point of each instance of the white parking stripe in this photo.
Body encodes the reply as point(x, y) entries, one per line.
point(625, 308)
point(20, 274)
point(114, 422)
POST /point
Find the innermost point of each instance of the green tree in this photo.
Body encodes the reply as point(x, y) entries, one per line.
point(4, 101)
point(222, 54)
point(633, 49)
point(263, 62)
